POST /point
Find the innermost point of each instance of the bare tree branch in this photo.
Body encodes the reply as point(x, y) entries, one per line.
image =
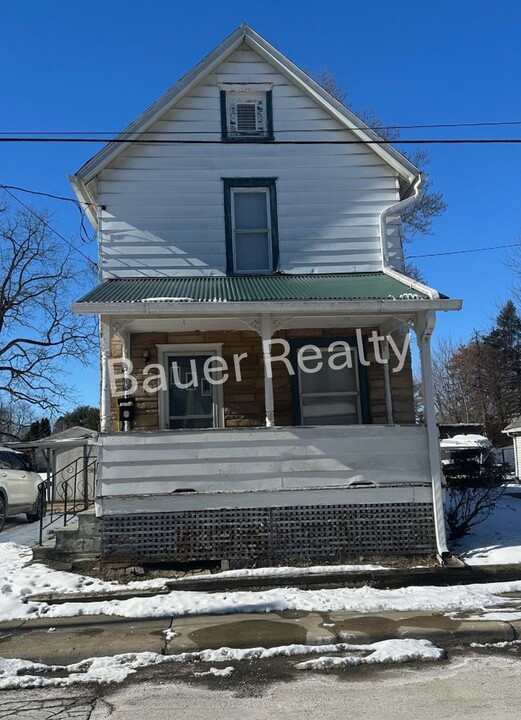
point(38, 281)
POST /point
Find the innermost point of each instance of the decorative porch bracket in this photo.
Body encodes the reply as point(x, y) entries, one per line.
point(424, 324)
point(266, 326)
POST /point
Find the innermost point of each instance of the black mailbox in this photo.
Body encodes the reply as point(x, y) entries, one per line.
point(126, 409)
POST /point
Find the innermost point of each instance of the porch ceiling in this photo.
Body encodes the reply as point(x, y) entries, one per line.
point(258, 288)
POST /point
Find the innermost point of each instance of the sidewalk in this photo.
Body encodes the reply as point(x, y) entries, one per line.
point(63, 641)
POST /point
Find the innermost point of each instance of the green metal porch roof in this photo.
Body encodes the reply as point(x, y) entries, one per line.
point(253, 288)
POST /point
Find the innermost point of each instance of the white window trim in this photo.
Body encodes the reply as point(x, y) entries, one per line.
point(267, 194)
point(194, 350)
point(246, 87)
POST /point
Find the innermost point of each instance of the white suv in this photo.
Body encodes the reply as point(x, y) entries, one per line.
point(19, 492)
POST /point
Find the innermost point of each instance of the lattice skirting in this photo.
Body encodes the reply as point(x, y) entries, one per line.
point(316, 532)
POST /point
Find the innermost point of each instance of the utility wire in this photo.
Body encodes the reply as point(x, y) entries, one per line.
point(492, 123)
point(460, 252)
point(46, 194)
point(50, 227)
point(136, 141)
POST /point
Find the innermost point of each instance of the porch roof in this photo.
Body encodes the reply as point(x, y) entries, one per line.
point(255, 288)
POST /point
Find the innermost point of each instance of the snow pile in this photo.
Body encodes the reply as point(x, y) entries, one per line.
point(459, 598)
point(292, 570)
point(26, 674)
point(466, 441)
point(217, 672)
point(386, 651)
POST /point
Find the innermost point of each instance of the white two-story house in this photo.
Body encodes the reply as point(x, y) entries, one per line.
point(251, 293)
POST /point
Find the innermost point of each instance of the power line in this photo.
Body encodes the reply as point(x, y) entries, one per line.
point(46, 194)
point(50, 227)
point(460, 252)
point(136, 141)
point(491, 123)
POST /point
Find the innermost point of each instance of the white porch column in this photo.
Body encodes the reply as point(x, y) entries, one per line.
point(105, 396)
point(266, 333)
point(424, 326)
point(387, 385)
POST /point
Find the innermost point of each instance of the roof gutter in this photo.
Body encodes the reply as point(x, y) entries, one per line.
point(187, 309)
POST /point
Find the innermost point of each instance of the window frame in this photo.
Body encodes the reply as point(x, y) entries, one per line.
point(227, 135)
point(363, 402)
point(230, 185)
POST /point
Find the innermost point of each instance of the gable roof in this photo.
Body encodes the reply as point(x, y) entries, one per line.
point(243, 33)
point(515, 426)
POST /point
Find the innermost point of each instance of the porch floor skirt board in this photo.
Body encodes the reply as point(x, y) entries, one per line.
point(276, 534)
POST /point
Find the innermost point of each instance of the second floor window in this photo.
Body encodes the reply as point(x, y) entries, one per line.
point(251, 225)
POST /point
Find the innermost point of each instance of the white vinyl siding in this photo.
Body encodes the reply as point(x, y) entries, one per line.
point(164, 203)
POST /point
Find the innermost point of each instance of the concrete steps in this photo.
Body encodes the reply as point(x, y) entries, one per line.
point(81, 539)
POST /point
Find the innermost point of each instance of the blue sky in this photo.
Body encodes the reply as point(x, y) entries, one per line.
point(96, 66)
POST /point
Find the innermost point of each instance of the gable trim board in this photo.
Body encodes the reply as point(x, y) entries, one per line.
point(244, 33)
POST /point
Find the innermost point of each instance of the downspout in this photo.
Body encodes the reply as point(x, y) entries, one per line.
point(396, 209)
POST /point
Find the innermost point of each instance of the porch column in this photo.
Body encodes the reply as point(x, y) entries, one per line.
point(387, 384)
point(105, 399)
point(424, 326)
point(266, 333)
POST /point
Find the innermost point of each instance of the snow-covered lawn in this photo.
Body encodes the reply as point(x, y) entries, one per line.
point(497, 541)
point(19, 578)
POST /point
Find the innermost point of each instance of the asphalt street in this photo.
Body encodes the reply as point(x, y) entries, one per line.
point(471, 685)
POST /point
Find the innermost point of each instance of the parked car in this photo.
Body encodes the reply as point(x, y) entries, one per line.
point(19, 488)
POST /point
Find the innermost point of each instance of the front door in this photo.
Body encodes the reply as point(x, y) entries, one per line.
point(192, 400)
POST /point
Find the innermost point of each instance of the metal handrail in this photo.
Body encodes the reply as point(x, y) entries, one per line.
point(67, 505)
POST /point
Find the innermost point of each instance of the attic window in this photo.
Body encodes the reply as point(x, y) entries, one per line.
point(246, 115)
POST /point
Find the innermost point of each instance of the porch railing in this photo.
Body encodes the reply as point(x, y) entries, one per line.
point(66, 493)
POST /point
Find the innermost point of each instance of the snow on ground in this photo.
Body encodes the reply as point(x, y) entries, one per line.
point(25, 533)
point(497, 541)
point(462, 598)
point(25, 674)
point(18, 579)
point(292, 570)
point(386, 651)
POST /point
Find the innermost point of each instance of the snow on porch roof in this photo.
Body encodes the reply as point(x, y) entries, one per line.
point(256, 288)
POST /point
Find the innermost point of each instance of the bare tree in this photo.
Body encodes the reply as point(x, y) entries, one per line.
point(38, 281)
point(417, 218)
point(15, 419)
point(469, 506)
